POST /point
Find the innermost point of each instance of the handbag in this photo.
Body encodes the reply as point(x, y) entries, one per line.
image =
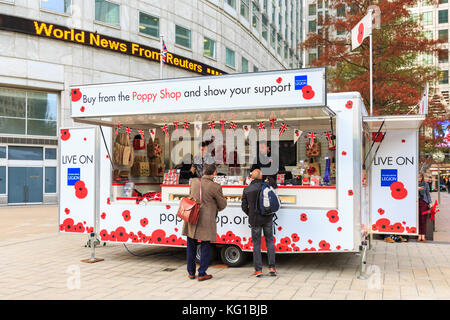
point(189, 209)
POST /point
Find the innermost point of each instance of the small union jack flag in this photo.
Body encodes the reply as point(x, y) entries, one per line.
point(283, 127)
point(163, 52)
point(164, 128)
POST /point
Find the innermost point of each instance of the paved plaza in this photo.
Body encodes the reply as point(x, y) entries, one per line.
point(36, 262)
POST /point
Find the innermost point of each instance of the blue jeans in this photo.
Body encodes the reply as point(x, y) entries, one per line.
point(256, 238)
point(191, 252)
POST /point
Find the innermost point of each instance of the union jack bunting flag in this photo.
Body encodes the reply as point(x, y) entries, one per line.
point(163, 52)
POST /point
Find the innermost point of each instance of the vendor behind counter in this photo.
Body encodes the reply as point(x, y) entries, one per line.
point(265, 161)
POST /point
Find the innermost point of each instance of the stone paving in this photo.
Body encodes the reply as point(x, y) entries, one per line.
point(38, 263)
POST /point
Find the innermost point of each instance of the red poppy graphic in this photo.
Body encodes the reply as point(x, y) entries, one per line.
point(159, 236)
point(104, 235)
point(374, 227)
point(349, 104)
point(280, 228)
point(76, 95)
point(411, 230)
point(167, 207)
point(303, 217)
point(296, 249)
point(332, 215)
point(310, 241)
point(339, 229)
point(103, 216)
point(383, 224)
point(308, 92)
point(295, 237)
point(338, 247)
point(172, 239)
point(380, 211)
point(80, 190)
point(67, 225)
point(311, 170)
point(279, 80)
point(144, 239)
point(108, 201)
point(65, 134)
point(79, 227)
point(126, 215)
point(237, 240)
point(112, 236)
point(398, 190)
point(398, 227)
point(286, 241)
point(344, 153)
point(66, 210)
point(176, 229)
point(324, 246)
point(121, 234)
point(281, 247)
point(144, 222)
point(403, 140)
point(360, 33)
point(82, 109)
point(350, 192)
point(89, 229)
point(310, 249)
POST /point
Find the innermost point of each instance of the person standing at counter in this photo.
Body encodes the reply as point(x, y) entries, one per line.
point(258, 223)
point(265, 162)
point(202, 158)
point(424, 206)
point(212, 201)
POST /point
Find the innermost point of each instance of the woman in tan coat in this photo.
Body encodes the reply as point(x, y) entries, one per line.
point(205, 230)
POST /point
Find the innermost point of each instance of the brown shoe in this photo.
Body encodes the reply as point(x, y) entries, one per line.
point(402, 239)
point(389, 239)
point(418, 240)
point(205, 277)
point(192, 277)
point(424, 240)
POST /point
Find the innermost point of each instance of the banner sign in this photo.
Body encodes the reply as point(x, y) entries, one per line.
point(394, 184)
point(57, 32)
point(289, 88)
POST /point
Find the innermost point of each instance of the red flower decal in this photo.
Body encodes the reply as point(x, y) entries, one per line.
point(303, 217)
point(108, 201)
point(167, 207)
point(176, 229)
point(66, 210)
point(144, 222)
point(103, 216)
point(79, 227)
point(382, 225)
point(381, 211)
point(344, 153)
point(65, 134)
point(80, 190)
point(280, 228)
point(112, 236)
point(279, 79)
point(76, 94)
point(339, 229)
point(403, 140)
point(360, 32)
point(310, 241)
point(324, 246)
point(398, 227)
point(121, 234)
point(82, 109)
point(350, 192)
point(332, 215)
point(338, 247)
point(349, 104)
point(67, 225)
point(295, 237)
point(286, 241)
point(308, 92)
point(159, 236)
point(398, 190)
point(104, 235)
point(126, 215)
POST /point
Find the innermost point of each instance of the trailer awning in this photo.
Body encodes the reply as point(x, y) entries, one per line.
point(149, 121)
point(394, 122)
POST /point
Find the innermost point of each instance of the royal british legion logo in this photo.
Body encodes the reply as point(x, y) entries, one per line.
point(300, 82)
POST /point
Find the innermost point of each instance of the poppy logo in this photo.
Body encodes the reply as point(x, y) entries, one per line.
point(73, 175)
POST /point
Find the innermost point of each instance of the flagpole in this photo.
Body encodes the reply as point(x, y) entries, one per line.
point(371, 67)
point(160, 58)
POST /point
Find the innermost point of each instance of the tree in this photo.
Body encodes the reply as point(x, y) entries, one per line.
point(398, 78)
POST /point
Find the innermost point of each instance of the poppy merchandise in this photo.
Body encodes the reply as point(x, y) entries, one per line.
point(314, 150)
point(138, 143)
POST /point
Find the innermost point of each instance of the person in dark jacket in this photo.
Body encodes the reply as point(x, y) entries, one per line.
point(266, 162)
point(258, 223)
point(424, 206)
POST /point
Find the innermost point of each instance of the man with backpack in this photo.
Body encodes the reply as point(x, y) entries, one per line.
point(260, 202)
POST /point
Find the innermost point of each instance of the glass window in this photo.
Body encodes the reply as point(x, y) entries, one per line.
point(427, 59)
point(41, 113)
point(2, 152)
point(229, 57)
point(312, 26)
point(209, 47)
point(443, 56)
point(428, 34)
point(264, 31)
point(183, 36)
point(244, 65)
point(231, 3)
point(255, 16)
point(25, 153)
point(443, 1)
point(50, 179)
point(2, 180)
point(148, 24)
point(443, 77)
point(62, 6)
point(443, 34)
point(311, 57)
point(340, 10)
point(245, 8)
point(279, 44)
point(443, 16)
point(312, 9)
point(50, 153)
point(12, 111)
point(272, 37)
point(107, 12)
point(255, 69)
point(427, 18)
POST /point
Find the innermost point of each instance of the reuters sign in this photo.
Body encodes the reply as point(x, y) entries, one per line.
point(52, 31)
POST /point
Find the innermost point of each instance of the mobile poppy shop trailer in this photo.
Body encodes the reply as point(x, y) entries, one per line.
point(346, 175)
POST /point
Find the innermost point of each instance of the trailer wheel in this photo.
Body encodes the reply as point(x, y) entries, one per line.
point(232, 256)
point(212, 253)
